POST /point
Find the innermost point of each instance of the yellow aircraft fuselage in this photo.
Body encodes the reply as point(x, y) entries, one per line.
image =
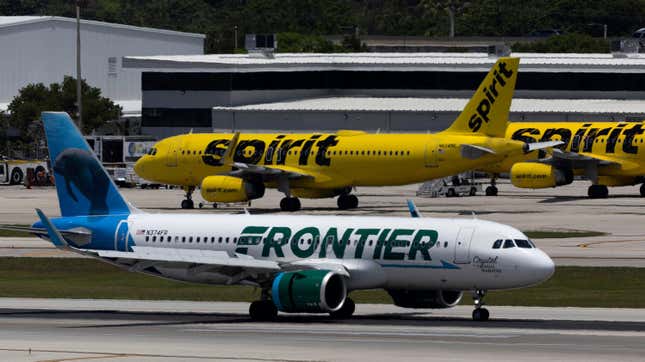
point(620, 144)
point(333, 161)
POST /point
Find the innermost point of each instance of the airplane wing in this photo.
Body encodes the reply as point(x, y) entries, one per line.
point(267, 172)
point(474, 152)
point(577, 160)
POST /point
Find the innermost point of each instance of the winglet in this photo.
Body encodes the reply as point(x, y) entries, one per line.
point(414, 211)
point(227, 159)
point(55, 235)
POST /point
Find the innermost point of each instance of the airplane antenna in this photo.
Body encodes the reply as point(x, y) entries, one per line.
point(474, 215)
point(246, 211)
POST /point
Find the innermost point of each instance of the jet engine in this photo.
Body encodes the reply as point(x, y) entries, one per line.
point(310, 291)
point(436, 299)
point(532, 175)
point(230, 189)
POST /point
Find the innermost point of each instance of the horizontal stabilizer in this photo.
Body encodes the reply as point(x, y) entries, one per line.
point(473, 152)
point(79, 237)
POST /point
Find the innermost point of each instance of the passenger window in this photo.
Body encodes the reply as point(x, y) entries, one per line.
point(508, 243)
point(497, 244)
point(523, 244)
point(147, 238)
point(197, 240)
point(445, 244)
point(183, 239)
point(219, 240)
point(190, 239)
point(154, 238)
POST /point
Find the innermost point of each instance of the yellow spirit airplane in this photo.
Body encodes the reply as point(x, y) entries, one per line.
point(606, 153)
point(237, 168)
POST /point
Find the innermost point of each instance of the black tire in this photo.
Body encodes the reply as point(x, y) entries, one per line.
point(41, 175)
point(143, 186)
point(283, 204)
point(598, 192)
point(16, 176)
point(643, 190)
point(491, 191)
point(294, 204)
point(343, 202)
point(214, 205)
point(187, 204)
point(353, 201)
point(346, 311)
point(451, 193)
point(263, 310)
point(473, 191)
point(481, 315)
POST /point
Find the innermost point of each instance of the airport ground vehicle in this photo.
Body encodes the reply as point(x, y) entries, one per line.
point(119, 154)
point(450, 187)
point(301, 263)
point(14, 172)
point(239, 167)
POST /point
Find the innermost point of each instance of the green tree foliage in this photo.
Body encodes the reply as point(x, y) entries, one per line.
point(299, 43)
point(567, 43)
point(33, 99)
point(218, 18)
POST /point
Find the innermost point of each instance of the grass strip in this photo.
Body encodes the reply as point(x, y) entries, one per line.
point(558, 234)
point(86, 278)
point(16, 234)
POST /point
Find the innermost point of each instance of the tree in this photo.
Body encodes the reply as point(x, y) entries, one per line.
point(33, 99)
point(452, 7)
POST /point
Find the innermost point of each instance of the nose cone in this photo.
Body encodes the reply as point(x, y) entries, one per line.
point(541, 267)
point(139, 167)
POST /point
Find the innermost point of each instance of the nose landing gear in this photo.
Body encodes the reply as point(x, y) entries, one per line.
point(480, 313)
point(188, 203)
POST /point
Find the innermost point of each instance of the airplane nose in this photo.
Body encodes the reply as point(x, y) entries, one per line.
point(138, 166)
point(543, 267)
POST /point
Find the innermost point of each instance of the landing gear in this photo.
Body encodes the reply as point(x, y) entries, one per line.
point(643, 190)
point(188, 203)
point(346, 311)
point(201, 205)
point(290, 204)
point(600, 192)
point(347, 201)
point(263, 310)
point(491, 191)
point(480, 314)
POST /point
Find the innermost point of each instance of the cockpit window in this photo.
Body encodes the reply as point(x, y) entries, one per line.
point(497, 243)
point(508, 243)
point(152, 151)
point(523, 244)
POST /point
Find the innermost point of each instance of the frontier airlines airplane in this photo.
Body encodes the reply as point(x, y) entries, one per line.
point(236, 168)
point(301, 263)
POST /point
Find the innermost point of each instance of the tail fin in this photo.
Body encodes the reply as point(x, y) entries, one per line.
point(487, 111)
point(83, 185)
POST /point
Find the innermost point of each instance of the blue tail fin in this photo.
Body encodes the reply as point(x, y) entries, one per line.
point(83, 185)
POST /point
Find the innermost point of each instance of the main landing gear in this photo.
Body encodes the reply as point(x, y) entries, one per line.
point(290, 203)
point(263, 310)
point(347, 201)
point(600, 192)
point(480, 313)
point(643, 190)
point(188, 203)
point(492, 189)
point(346, 311)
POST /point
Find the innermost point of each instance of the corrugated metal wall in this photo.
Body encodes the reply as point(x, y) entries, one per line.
point(46, 52)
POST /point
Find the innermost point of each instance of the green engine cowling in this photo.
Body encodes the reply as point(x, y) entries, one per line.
point(309, 291)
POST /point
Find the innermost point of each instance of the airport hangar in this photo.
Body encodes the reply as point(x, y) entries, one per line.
point(42, 49)
point(387, 92)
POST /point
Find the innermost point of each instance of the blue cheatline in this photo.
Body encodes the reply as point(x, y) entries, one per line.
point(83, 185)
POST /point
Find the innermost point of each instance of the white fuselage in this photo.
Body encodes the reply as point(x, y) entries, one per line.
point(378, 252)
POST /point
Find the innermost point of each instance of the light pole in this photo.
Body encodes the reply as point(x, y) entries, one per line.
point(79, 98)
point(235, 36)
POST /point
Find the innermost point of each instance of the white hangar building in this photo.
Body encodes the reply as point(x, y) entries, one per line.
point(42, 49)
point(390, 92)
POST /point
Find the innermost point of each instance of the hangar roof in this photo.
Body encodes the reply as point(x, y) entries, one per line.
point(530, 62)
point(10, 21)
point(376, 104)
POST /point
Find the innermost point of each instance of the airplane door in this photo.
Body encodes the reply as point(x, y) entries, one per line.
point(171, 156)
point(462, 245)
point(431, 154)
point(121, 236)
